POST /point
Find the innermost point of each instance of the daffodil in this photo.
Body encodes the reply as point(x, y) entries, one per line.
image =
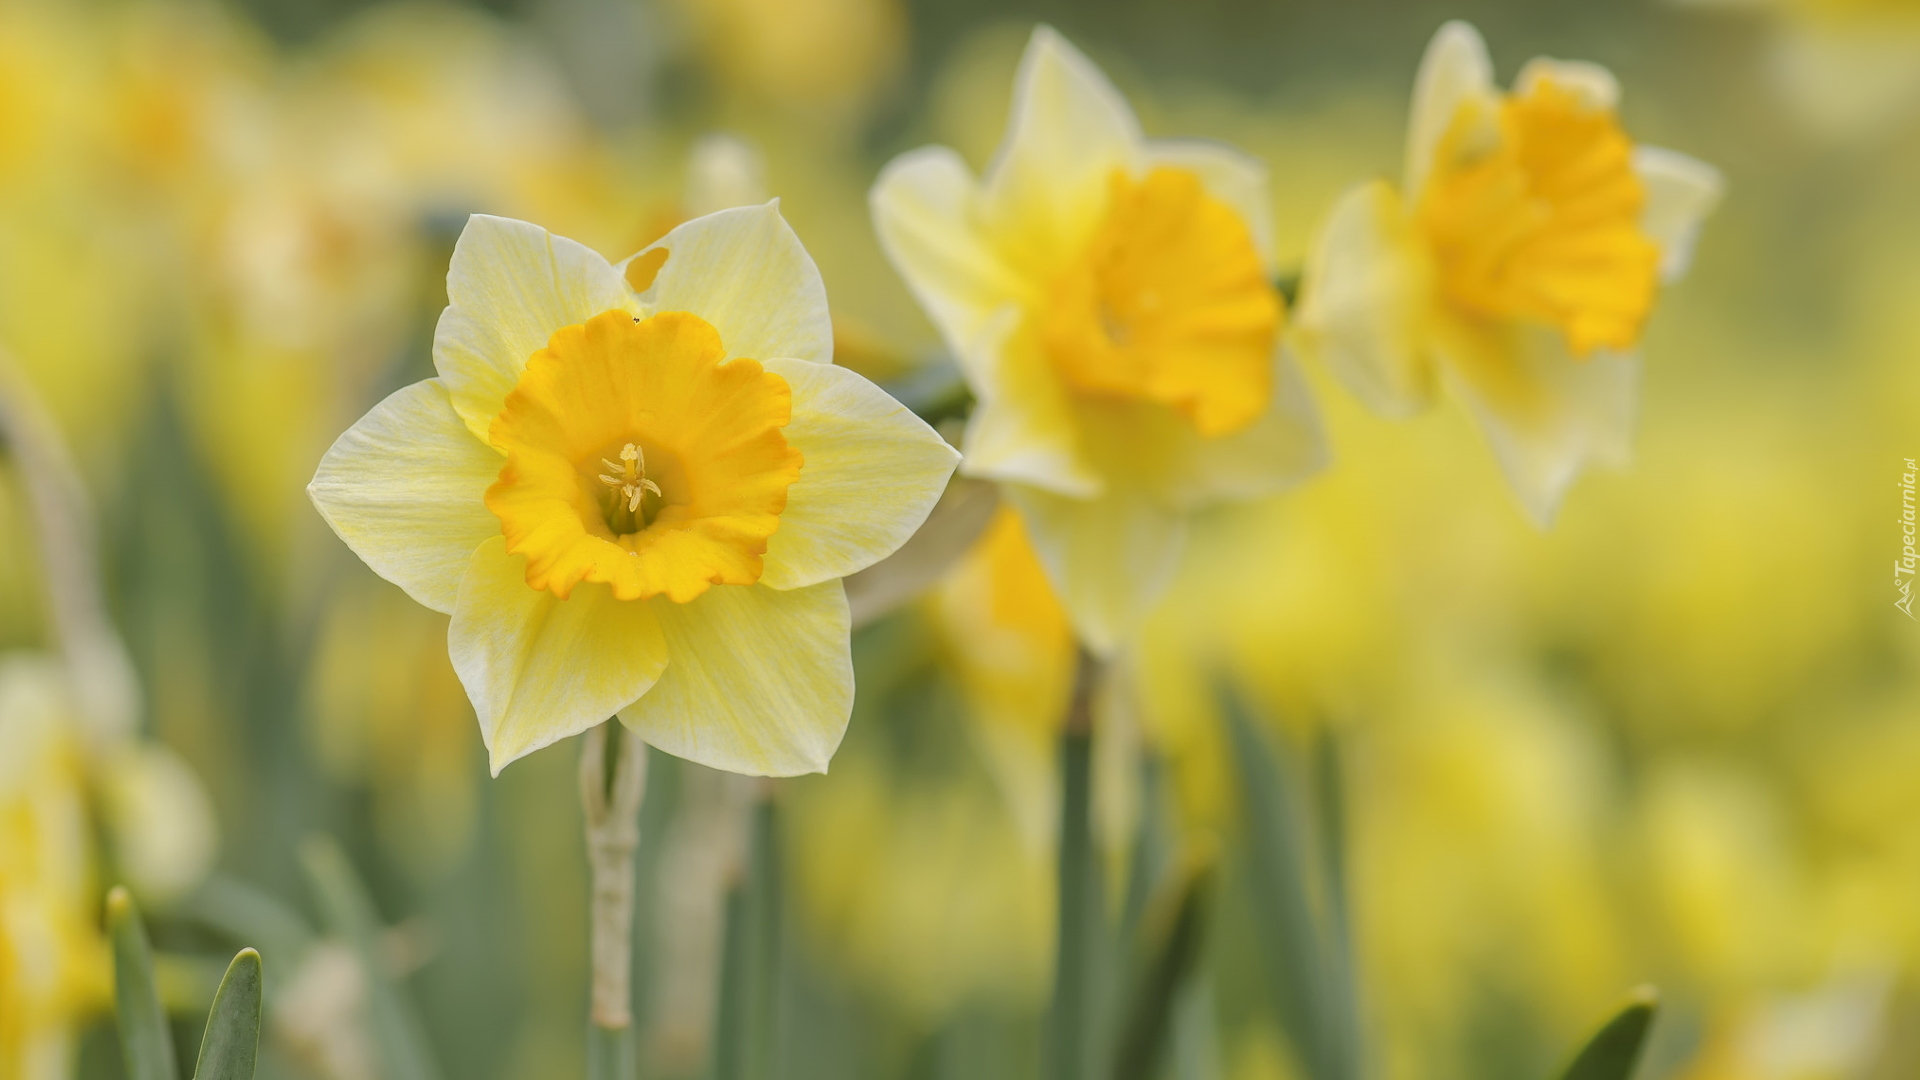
point(53, 961)
point(1848, 68)
point(635, 488)
point(1110, 300)
point(1517, 262)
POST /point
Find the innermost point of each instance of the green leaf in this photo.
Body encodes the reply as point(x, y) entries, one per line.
point(243, 912)
point(232, 1040)
point(1176, 930)
point(346, 909)
point(1305, 968)
point(144, 1037)
point(1615, 1049)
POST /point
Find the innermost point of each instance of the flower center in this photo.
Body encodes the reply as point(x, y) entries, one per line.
point(1169, 304)
point(629, 478)
point(1542, 223)
point(640, 458)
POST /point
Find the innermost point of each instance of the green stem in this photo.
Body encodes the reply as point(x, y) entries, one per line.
point(729, 1024)
point(1069, 1042)
point(747, 1026)
point(612, 1053)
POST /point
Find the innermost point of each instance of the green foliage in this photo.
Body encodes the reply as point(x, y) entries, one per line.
point(1615, 1049)
point(1081, 923)
point(1172, 936)
point(746, 1026)
point(1297, 890)
point(348, 913)
point(144, 1038)
point(232, 1039)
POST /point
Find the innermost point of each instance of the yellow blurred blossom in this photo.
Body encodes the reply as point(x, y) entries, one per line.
point(53, 959)
point(1517, 262)
point(1109, 300)
point(826, 58)
point(1012, 654)
point(639, 502)
point(1848, 68)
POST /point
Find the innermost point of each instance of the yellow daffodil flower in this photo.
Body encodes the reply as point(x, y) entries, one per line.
point(1518, 261)
point(635, 488)
point(1109, 299)
point(54, 972)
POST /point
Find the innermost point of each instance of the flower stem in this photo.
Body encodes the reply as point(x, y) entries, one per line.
point(613, 774)
point(746, 1026)
point(1069, 1045)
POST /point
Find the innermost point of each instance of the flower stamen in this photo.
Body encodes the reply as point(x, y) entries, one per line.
point(632, 477)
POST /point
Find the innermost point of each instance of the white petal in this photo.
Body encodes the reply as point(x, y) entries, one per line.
point(1591, 84)
point(761, 681)
point(1023, 428)
point(405, 488)
point(924, 211)
point(1546, 413)
point(1454, 71)
point(1109, 559)
point(744, 271)
point(1237, 179)
point(1681, 192)
point(539, 669)
point(1365, 301)
point(1068, 131)
point(509, 287)
point(872, 470)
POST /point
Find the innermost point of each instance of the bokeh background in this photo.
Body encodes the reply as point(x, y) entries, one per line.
point(1674, 740)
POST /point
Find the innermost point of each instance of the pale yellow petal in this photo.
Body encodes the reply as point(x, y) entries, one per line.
point(1069, 129)
point(538, 669)
point(723, 171)
point(1366, 299)
point(761, 680)
point(165, 833)
point(872, 470)
point(1023, 428)
point(1237, 179)
point(1591, 84)
point(1546, 414)
point(1454, 71)
point(404, 488)
point(744, 271)
point(509, 287)
point(1285, 446)
point(1110, 559)
point(925, 214)
point(1681, 192)
point(1155, 452)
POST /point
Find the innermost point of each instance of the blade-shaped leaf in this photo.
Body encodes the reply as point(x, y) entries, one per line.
point(1310, 987)
point(1175, 930)
point(145, 1039)
point(1614, 1050)
point(232, 1040)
